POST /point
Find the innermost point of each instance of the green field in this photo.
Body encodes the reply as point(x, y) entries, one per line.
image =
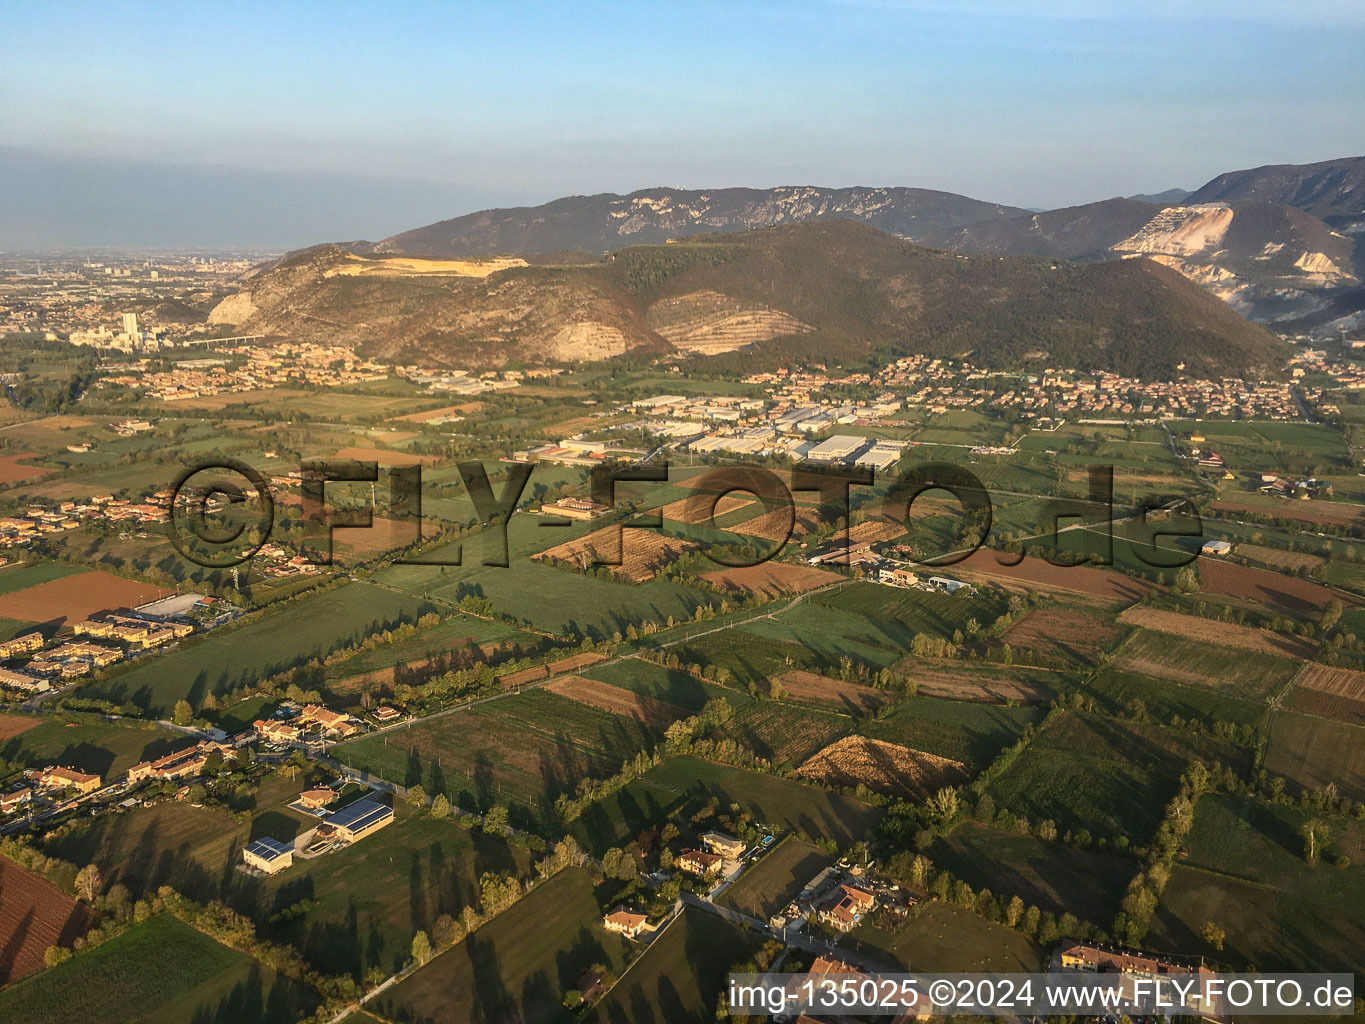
point(522, 750)
point(678, 979)
point(160, 972)
point(517, 966)
point(1120, 692)
point(1246, 873)
point(21, 577)
point(1112, 778)
point(308, 628)
point(776, 879)
point(946, 938)
point(1049, 875)
point(367, 900)
point(1238, 673)
point(88, 743)
point(431, 651)
point(686, 782)
point(783, 734)
point(1317, 751)
point(961, 731)
point(669, 685)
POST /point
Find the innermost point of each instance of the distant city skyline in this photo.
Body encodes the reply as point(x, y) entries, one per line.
point(250, 125)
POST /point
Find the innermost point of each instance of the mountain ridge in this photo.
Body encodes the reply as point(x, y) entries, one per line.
point(831, 291)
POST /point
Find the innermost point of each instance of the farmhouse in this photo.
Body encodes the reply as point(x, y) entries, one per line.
point(313, 799)
point(276, 731)
point(624, 922)
point(897, 576)
point(332, 722)
point(1215, 547)
point(268, 854)
point(355, 821)
point(384, 713)
point(68, 778)
point(724, 845)
point(700, 863)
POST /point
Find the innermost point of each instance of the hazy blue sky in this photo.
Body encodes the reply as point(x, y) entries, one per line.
point(283, 124)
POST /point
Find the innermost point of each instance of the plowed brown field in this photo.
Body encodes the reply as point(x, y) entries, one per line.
point(810, 688)
point(34, 914)
point(883, 767)
point(73, 598)
point(656, 714)
point(1228, 634)
point(772, 579)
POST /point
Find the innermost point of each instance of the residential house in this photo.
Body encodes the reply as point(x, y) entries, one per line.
point(699, 863)
point(624, 922)
point(846, 908)
point(725, 845)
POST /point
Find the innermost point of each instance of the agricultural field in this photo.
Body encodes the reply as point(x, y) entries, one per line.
point(682, 784)
point(1049, 875)
point(1228, 634)
point(21, 576)
point(941, 937)
point(678, 978)
point(160, 972)
point(776, 879)
point(973, 734)
point(1247, 873)
point(983, 683)
point(1314, 752)
point(672, 686)
point(833, 694)
point(1122, 693)
point(1262, 588)
point(359, 906)
point(883, 767)
point(34, 914)
point(229, 658)
point(454, 642)
point(1037, 575)
point(518, 965)
point(87, 743)
point(771, 579)
point(648, 712)
point(639, 555)
point(1107, 777)
point(522, 750)
point(1062, 637)
point(1249, 675)
point(782, 734)
point(69, 598)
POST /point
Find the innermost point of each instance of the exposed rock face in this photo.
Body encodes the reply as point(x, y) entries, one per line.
point(1271, 261)
point(1181, 231)
point(1332, 190)
point(235, 309)
point(708, 322)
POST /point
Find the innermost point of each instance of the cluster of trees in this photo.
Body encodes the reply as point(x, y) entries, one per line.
point(1144, 891)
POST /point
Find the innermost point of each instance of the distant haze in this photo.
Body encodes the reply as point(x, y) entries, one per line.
point(283, 125)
